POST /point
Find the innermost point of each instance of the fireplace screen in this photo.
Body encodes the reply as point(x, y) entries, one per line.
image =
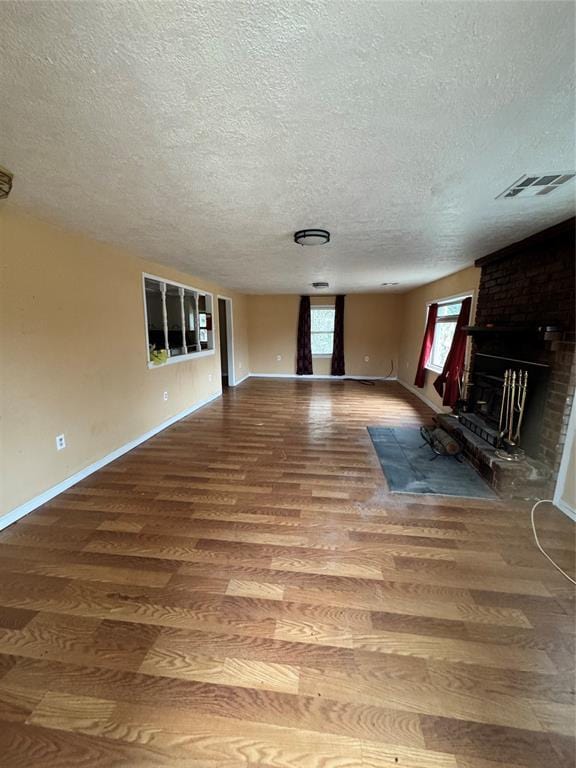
point(486, 392)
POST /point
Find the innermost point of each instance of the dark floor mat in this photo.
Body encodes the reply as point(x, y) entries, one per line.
point(406, 462)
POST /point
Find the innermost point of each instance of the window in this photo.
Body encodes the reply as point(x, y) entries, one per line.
point(322, 330)
point(448, 312)
point(178, 321)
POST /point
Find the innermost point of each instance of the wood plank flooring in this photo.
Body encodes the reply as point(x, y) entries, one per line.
point(242, 590)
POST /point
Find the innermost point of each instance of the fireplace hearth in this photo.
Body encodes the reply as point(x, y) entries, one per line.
point(527, 478)
point(481, 427)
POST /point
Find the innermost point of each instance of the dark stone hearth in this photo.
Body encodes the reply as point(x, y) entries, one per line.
point(525, 479)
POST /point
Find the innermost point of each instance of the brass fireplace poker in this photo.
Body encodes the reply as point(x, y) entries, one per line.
point(512, 414)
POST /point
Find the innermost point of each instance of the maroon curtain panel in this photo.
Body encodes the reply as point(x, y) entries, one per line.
point(427, 342)
point(304, 342)
point(338, 367)
point(447, 384)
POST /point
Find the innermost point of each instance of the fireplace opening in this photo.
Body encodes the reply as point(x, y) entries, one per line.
point(485, 393)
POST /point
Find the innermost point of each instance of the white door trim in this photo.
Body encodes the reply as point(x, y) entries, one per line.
point(229, 336)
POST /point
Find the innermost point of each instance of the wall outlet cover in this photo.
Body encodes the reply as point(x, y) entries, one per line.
point(60, 442)
point(278, 357)
point(165, 396)
point(366, 358)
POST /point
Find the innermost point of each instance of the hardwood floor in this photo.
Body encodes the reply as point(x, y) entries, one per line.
point(241, 590)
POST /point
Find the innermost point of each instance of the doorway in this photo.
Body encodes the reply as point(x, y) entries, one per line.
point(226, 343)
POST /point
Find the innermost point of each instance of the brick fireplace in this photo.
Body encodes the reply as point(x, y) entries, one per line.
point(525, 320)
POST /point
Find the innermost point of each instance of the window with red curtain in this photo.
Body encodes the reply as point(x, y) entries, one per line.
point(445, 326)
point(427, 343)
point(448, 383)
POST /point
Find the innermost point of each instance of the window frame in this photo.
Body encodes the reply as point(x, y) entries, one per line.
point(190, 355)
point(446, 319)
point(312, 333)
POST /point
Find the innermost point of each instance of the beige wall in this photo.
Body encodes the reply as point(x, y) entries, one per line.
point(371, 328)
point(414, 320)
point(73, 349)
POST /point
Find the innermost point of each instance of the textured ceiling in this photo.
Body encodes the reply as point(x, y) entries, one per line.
point(203, 134)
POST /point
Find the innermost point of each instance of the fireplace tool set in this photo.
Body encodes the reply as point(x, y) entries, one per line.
point(511, 415)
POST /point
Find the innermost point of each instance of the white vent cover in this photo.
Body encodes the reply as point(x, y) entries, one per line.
point(533, 184)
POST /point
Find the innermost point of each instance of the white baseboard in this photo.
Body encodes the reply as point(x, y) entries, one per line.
point(415, 391)
point(37, 501)
point(236, 383)
point(566, 509)
point(320, 376)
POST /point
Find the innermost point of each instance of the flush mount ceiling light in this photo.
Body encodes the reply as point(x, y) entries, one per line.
point(536, 184)
point(321, 284)
point(312, 237)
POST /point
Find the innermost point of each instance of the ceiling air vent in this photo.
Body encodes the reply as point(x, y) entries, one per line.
point(532, 184)
point(320, 285)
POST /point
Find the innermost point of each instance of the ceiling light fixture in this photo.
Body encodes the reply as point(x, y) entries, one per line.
point(312, 237)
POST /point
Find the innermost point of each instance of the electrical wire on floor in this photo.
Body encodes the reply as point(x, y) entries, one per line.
point(546, 555)
point(371, 382)
point(366, 382)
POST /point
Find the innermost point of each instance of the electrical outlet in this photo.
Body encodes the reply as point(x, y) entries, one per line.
point(366, 358)
point(278, 357)
point(209, 377)
point(60, 442)
point(165, 396)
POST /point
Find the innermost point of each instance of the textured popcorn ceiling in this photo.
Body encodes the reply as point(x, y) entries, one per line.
point(203, 134)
